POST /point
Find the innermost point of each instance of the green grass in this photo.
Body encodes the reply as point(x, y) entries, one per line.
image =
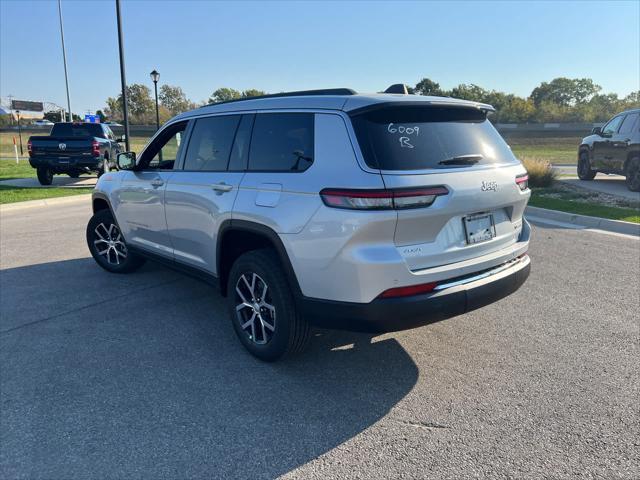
point(19, 194)
point(11, 169)
point(552, 150)
point(538, 199)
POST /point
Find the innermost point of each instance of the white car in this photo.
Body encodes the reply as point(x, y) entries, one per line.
point(43, 123)
point(362, 212)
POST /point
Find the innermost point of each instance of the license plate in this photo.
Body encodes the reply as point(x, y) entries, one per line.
point(479, 228)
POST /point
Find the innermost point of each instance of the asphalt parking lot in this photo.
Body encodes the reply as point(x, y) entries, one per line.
point(140, 376)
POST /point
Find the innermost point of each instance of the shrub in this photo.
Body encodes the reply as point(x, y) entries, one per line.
point(541, 173)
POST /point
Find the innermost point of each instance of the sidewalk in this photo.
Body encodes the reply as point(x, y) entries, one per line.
point(603, 183)
point(59, 181)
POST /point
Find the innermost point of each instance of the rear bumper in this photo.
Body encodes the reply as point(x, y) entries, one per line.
point(456, 297)
point(73, 163)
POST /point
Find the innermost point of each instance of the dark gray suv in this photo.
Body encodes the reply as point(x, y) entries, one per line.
point(614, 148)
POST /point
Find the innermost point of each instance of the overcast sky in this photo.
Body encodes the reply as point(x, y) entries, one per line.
point(276, 46)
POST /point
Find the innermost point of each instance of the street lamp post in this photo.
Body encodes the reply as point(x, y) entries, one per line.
point(155, 76)
point(123, 80)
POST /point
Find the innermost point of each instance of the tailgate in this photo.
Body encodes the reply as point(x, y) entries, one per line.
point(455, 147)
point(481, 214)
point(61, 146)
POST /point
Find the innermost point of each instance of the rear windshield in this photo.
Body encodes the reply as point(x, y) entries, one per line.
point(77, 130)
point(417, 138)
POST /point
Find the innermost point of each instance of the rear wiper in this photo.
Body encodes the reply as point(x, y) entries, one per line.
point(470, 159)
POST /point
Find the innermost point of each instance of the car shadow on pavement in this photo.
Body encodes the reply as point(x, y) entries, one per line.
point(121, 376)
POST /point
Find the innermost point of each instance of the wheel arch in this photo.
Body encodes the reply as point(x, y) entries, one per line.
point(99, 202)
point(630, 156)
point(236, 237)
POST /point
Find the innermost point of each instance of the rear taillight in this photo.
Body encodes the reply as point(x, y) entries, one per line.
point(95, 148)
point(30, 148)
point(381, 199)
point(408, 291)
point(522, 181)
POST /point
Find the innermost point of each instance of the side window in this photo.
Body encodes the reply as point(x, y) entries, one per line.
point(240, 152)
point(162, 153)
point(282, 142)
point(210, 143)
point(612, 127)
point(628, 123)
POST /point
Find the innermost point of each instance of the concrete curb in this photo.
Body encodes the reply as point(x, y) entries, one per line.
point(45, 202)
point(585, 221)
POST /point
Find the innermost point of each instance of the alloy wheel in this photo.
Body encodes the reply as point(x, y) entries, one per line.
point(254, 309)
point(109, 243)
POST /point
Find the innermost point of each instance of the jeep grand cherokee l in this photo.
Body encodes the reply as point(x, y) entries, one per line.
point(362, 212)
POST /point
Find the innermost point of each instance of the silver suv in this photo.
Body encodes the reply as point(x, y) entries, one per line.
point(361, 212)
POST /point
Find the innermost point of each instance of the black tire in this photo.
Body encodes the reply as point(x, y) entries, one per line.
point(74, 174)
point(584, 167)
point(633, 174)
point(103, 235)
point(105, 162)
point(278, 331)
point(45, 175)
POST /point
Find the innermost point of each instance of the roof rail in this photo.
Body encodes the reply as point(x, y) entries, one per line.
point(301, 93)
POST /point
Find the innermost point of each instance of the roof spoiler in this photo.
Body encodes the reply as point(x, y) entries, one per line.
point(398, 88)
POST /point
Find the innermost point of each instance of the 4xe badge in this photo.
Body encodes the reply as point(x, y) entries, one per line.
point(489, 186)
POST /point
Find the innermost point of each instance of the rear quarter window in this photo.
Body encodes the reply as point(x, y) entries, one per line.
point(418, 138)
point(282, 142)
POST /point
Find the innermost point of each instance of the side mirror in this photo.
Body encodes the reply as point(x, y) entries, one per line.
point(126, 160)
point(596, 131)
point(121, 139)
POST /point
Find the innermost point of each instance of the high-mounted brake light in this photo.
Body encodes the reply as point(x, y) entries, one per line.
point(95, 148)
point(381, 199)
point(523, 181)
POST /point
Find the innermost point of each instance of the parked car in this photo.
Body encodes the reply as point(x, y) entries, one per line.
point(361, 212)
point(73, 148)
point(43, 123)
point(614, 148)
point(113, 124)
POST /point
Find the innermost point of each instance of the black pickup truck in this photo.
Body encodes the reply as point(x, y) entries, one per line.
point(73, 148)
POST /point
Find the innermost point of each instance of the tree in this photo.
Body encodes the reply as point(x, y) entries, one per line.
point(224, 94)
point(426, 86)
point(141, 105)
point(469, 92)
point(101, 115)
point(252, 92)
point(565, 92)
point(174, 99)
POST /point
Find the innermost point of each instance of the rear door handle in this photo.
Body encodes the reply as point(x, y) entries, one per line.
point(222, 187)
point(157, 183)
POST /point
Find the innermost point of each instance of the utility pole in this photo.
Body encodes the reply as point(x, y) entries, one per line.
point(10, 97)
point(64, 58)
point(123, 79)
